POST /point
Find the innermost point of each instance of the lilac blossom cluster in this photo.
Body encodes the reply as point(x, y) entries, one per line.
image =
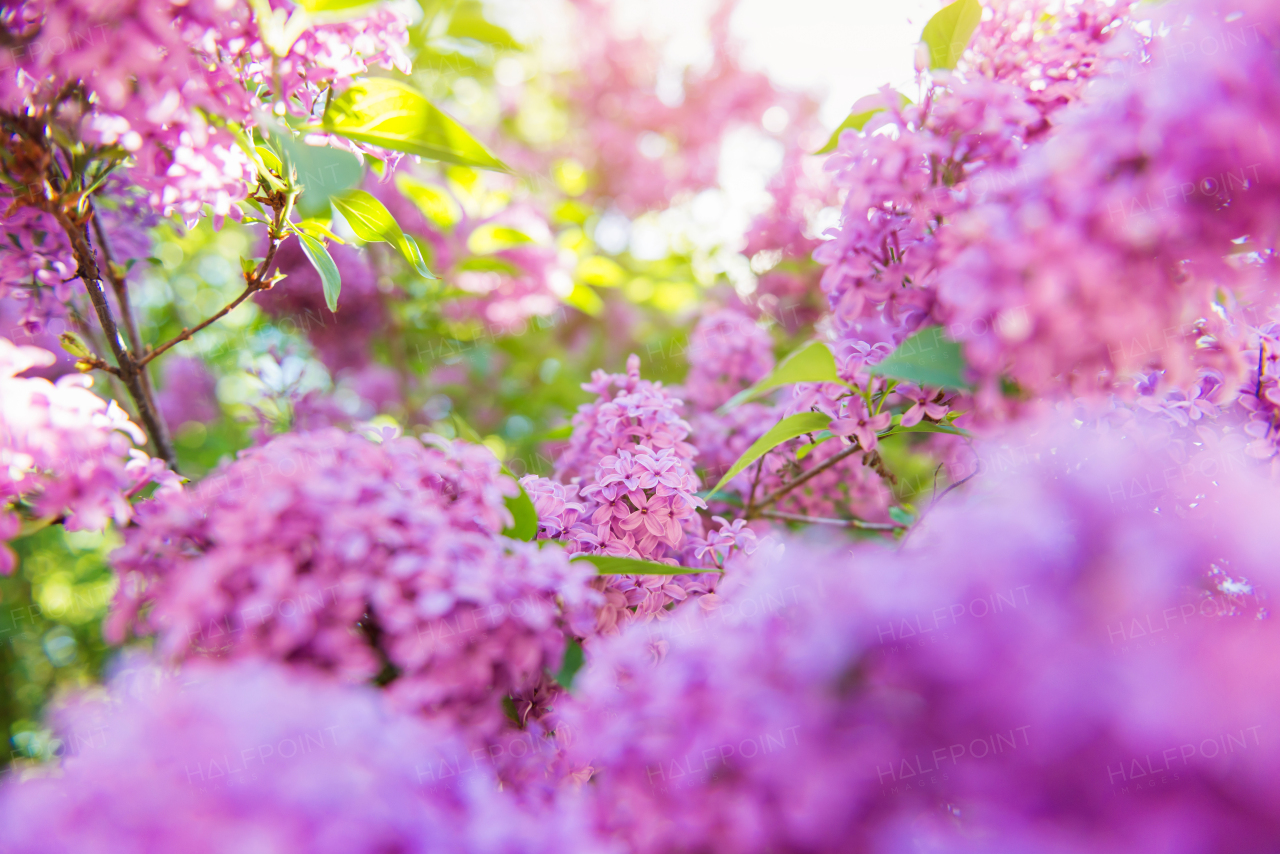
point(915, 173)
point(1048, 665)
point(265, 756)
point(66, 453)
point(156, 81)
point(361, 559)
point(626, 487)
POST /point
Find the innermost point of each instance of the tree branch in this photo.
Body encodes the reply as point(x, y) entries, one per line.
point(839, 523)
point(781, 491)
point(257, 281)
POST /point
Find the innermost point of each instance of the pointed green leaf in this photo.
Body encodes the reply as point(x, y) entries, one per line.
point(525, 515)
point(812, 363)
point(390, 114)
point(862, 112)
point(927, 359)
point(572, 663)
point(609, 565)
point(319, 258)
point(783, 431)
point(372, 222)
point(321, 171)
point(948, 33)
point(819, 437)
point(435, 204)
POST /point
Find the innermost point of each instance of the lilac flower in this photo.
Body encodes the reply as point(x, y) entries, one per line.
point(329, 551)
point(265, 755)
point(860, 423)
point(994, 685)
point(65, 452)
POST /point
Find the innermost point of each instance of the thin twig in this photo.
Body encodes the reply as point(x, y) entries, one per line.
point(257, 281)
point(809, 475)
point(839, 523)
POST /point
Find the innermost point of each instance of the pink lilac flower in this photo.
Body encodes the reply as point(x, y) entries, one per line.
point(859, 423)
point(65, 452)
point(361, 559)
point(626, 486)
point(1046, 665)
point(152, 72)
point(255, 754)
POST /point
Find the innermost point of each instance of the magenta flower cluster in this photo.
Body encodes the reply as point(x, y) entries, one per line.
point(65, 453)
point(361, 559)
point(267, 757)
point(1049, 666)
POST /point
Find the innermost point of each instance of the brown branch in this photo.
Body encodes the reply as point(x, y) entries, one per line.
point(254, 282)
point(807, 476)
point(121, 289)
point(839, 523)
point(87, 268)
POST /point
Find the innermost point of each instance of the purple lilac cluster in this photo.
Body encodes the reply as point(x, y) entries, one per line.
point(1048, 665)
point(361, 559)
point(1130, 230)
point(916, 172)
point(65, 453)
point(257, 756)
point(143, 77)
point(627, 487)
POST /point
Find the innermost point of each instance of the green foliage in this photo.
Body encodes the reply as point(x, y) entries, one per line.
point(390, 114)
point(784, 431)
point(608, 565)
point(812, 363)
point(948, 32)
point(926, 358)
point(323, 262)
point(372, 222)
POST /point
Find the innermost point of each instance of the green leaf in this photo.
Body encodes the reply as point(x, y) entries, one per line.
point(322, 172)
point(371, 221)
point(485, 264)
point(390, 114)
point(468, 22)
point(948, 33)
point(491, 237)
point(73, 344)
point(783, 431)
point(812, 363)
point(609, 565)
point(924, 427)
point(525, 526)
point(585, 300)
point(902, 517)
point(819, 438)
point(858, 118)
point(927, 359)
point(321, 6)
point(572, 663)
point(319, 258)
point(435, 204)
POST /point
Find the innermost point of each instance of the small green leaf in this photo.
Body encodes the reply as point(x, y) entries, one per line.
point(491, 237)
point(390, 114)
point(329, 277)
point(585, 300)
point(321, 172)
point(435, 204)
point(902, 517)
point(572, 663)
point(783, 431)
point(371, 221)
point(525, 526)
point(468, 22)
point(948, 33)
point(609, 565)
point(812, 363)
point(806, 450)
point(926, 358)
point(73, 344)
point(862, 112)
